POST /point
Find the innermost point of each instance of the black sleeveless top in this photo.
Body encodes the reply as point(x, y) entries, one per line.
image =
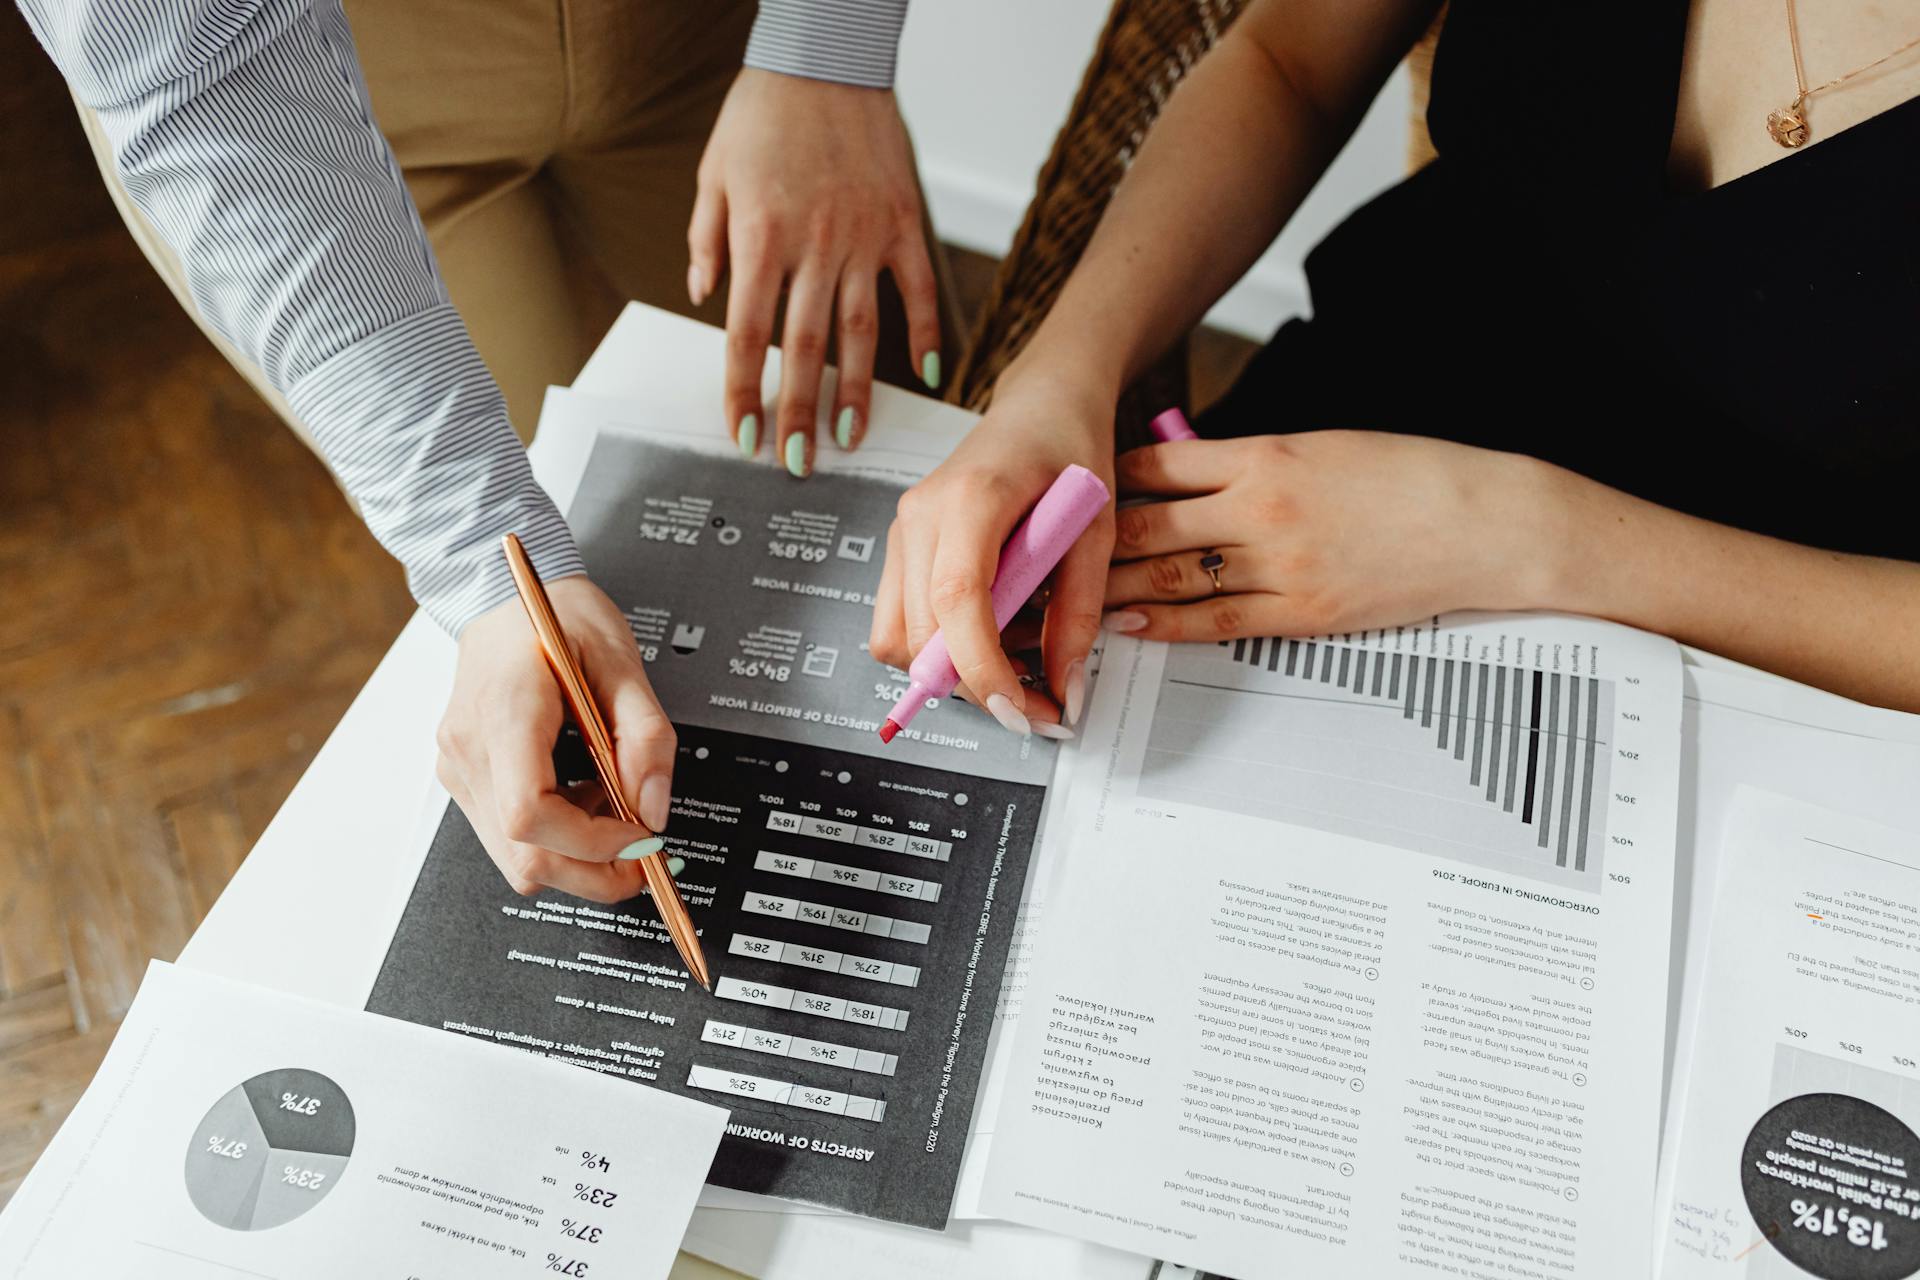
point(1750, 354)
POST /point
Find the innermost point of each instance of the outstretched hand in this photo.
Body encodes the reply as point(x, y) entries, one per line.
point(809, 187)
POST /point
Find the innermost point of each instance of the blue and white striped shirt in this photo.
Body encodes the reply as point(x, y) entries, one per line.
point(242, 129)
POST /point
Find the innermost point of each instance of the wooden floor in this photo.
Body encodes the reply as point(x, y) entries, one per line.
point(186, 608)
point(189, 607)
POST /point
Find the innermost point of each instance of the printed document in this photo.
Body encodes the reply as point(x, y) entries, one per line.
point(1796, 1151)
point(857, 900)
point(1356, 960)
point(233, 1131)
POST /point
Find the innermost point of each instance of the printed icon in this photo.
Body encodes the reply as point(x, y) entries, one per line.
point(686, 639)
point(819, 661)
point(855, 548)
point(729, 534)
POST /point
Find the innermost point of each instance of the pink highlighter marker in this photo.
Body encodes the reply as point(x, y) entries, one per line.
point(1055, 523)
point(1173, 425)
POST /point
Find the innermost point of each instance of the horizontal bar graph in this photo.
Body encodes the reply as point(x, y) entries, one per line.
point(1491, 763)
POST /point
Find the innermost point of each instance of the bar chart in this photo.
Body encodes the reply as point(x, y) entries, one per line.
point(1495, 764)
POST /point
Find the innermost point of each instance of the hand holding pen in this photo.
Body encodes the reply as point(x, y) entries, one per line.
point(576, 691)
point(496, 743)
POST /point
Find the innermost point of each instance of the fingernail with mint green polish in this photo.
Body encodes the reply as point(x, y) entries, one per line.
point(843, 428)
point(642, 848)
point(796, 453)
point(749, 435)
point(675, 866)
point(930, 370)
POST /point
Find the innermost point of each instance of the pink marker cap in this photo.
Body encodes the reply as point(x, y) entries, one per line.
point(1172, 425)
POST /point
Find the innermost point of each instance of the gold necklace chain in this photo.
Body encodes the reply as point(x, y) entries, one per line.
point(1788, 125)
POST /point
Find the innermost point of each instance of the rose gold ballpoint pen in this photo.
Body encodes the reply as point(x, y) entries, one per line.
point(593, 728)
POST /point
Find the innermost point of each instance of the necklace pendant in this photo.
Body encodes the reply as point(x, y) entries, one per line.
point(1788, 125)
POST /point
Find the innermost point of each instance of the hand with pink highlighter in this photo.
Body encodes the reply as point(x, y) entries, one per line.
point(1074, 501)
point(944, 549)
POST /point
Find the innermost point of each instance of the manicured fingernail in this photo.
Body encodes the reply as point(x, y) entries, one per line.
point(656, 801)
point(1076, 691)
point(1124, 621)
point(676, 865)
point(696, 285)
point(796, 452)
point(642, 848)
point(749, 435)
point(1001, 708)
point(930, 370)
point(843, 428)
point(1058, 732)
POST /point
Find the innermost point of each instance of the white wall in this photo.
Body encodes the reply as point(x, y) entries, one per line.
point(985, 85)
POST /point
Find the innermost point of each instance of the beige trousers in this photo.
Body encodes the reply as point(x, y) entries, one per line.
point(550, 146)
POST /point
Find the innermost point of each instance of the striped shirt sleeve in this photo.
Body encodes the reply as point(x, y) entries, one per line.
point(242, 129)
point(847, 41)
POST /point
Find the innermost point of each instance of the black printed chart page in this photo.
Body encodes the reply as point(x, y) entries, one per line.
point(856, 900)
point(233, 1131)
point(1356, 961)
point(1797, 1153)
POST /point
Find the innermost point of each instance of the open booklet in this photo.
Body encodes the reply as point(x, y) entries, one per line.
point(1357, 955)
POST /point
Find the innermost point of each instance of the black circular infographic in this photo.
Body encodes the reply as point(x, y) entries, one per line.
point(270, 1149)
point(1833, 1183)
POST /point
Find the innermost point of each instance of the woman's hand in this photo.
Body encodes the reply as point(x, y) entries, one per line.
point(496, 748)
point(945, 545)
point(1324, 531)
point(810, 187)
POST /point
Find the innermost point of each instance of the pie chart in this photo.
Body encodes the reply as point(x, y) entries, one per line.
point(270, 1149)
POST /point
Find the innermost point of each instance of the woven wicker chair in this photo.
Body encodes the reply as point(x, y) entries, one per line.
point(1147, 46)
point(1145, 50)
